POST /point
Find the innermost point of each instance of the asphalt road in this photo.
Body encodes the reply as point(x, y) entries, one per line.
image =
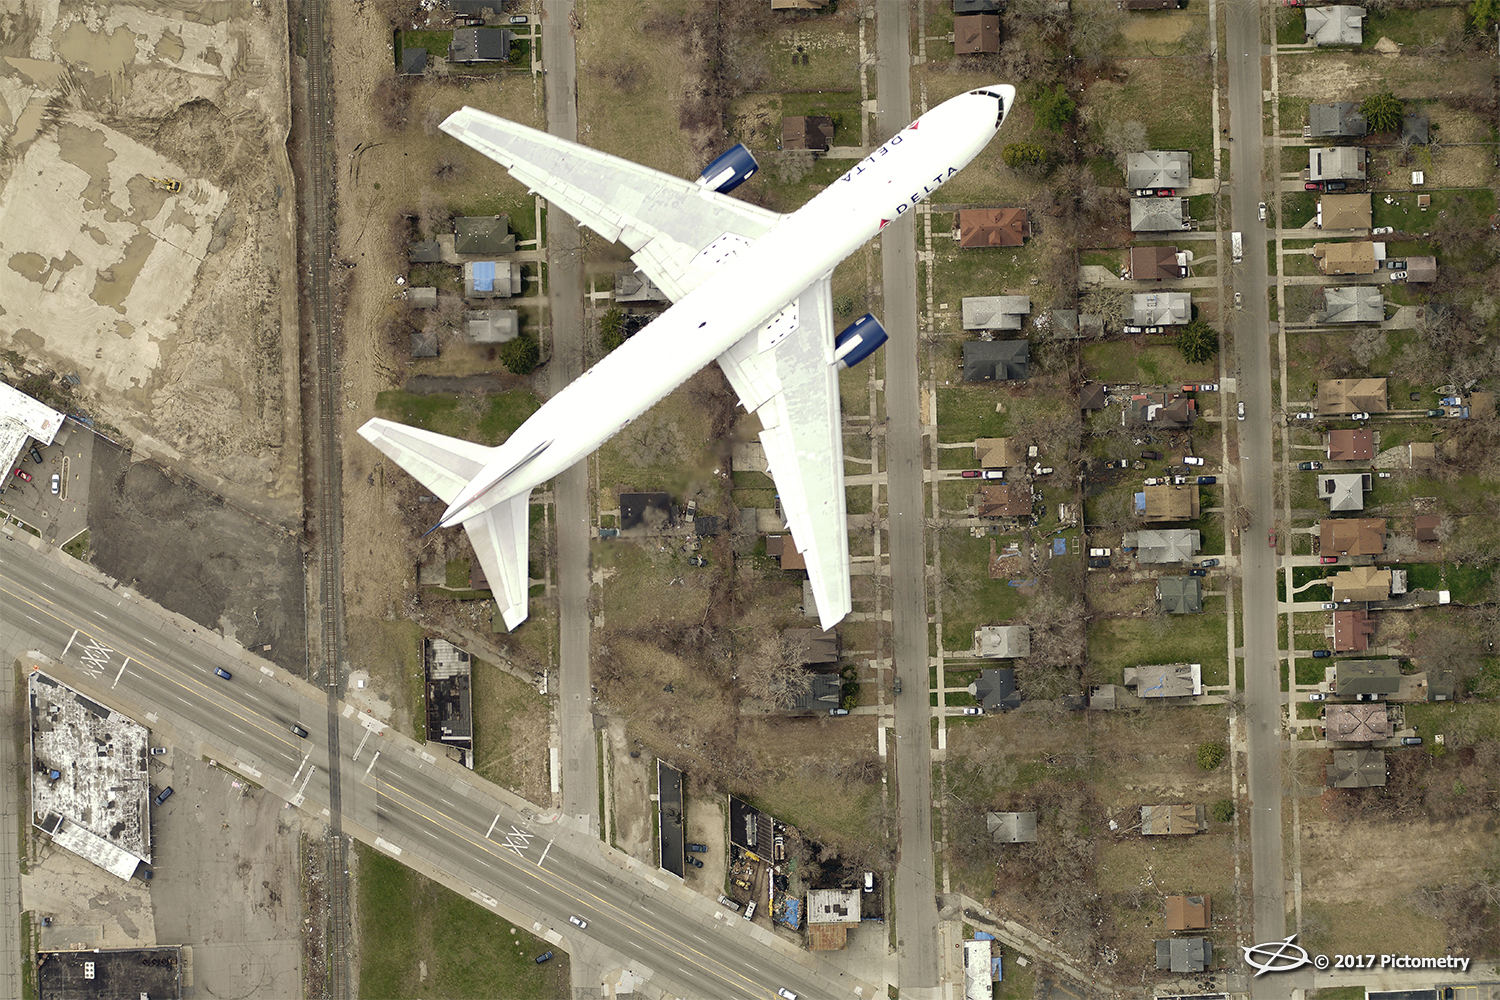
point(1258, 561)
point(915, 901)
point(429, 812)
point(580, 777)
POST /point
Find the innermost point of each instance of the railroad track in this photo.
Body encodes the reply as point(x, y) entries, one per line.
point(326, 486)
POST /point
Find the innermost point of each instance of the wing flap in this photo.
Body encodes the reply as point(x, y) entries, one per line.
point(443, 464)
point(501, 536)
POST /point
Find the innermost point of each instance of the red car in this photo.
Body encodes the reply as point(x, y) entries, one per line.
point(1271, 539)
point(1166, 192)
point(1328, 559)
point(970, 474)
point(24, 474)
point(1312, 185)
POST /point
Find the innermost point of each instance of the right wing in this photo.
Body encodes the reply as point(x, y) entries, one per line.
point(500, 534)
point(679, 232)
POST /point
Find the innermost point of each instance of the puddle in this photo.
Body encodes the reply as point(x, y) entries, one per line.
point(96, 235)
point(27, 124)
point(169, 47)
point(43, 73)
point(103, 54)
point(114, 284)
point(86, 150)
point(38, 268)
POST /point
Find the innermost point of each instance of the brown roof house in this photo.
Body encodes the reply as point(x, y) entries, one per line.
point(1173, 820)
point(1345, 258)
point(1358, 723)
point(1003, 500)
point(1356, 769)
point(1357, 445)
point(812, 645)
point(807, 132)
point(1426, 528)
point(1157, 263)
point(1188, 913)
point(784, 550)
point(1361, 583)
point(1351, 536)
point(1352, 631)
point(1421, 270)
point(998, 453)
point(976, 34)
point(993, 227)
point(1160, 503)
point(1344, 211)
point(1340, 396)
point(1173, 411)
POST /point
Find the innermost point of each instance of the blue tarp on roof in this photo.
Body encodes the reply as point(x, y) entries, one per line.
point(793, 912)
point(484, 276)
point(1140, 501)
point(1059, 546)
point(995, 972)
point(983, 936)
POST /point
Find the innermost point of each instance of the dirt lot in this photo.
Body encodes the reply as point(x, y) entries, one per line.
point(191, 551)
point(175, 309)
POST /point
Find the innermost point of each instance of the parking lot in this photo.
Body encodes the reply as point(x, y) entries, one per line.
point(57, 517)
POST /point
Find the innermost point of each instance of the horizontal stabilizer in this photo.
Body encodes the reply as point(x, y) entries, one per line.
point(445, 465)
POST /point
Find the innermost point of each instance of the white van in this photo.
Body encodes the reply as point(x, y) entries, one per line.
point(749, 910)
point(870, 880)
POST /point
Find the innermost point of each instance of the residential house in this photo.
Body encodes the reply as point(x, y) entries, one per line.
point(811, 645)
point(1062, 322)
point(995, 690)
point(472, 45)
point(1343, 491)
point(1337, 25)
point(1002, 641)
point(996, 360)
point(998, 453)
point(413, 61)
point(652, 511)
point(1344, 211)
point(996, 312)
point(783, 548)
point(1156, 547)
point(1157, 263)
point(1157, 215)
point(1188, 913)
point(813, 132)
point(1426, 527)
point(424, 252)
point(1172, 411)
point(425, 297)
point(825, 690)
point(1158, 168)
point(484, 236)
point(1180, 595)
point(1421, 270)
point(1351, 536)
point(1165, 680)
point(491, 326)
point(993, 227)
point(1441, 686)
point(1346, 258)
point(976, 34)
point(1011, 828)
point(1173, 820)
point(1338, 120)
point(1356, 769)
point(1352, 631)
point(1160, 503)
point(1336, 163)
point(1160, 308)
point(1356, 445)
point(1362, 583)
point(1341, 396)
point(1361, 722)
point(632, 286)
point(1184, 954)
point(1091, 397)
point(1366, 677)
point(492, 279)
point(1003, 500)
point(424, 343)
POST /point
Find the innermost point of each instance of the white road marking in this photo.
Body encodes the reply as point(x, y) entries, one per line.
point(148, 640)
point(372, 762)
point(49, 586)
point(34, 619)
point(544, 854)
point(492, 826)
point(101, 614)
point(122, 672)
point(70, 641)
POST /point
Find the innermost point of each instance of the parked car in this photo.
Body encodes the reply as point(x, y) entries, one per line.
point(1131, 328)
point(1144, 192)
point(1398, 275)
point(1238, 299)
point(726, 901)
point(23, 474)
point(1192, 460)
point(609, 532)
point(1151, 455)
point(1166, 192)
point(1153, 481)
point(1307, 415)
point(1208, 387)
point(1411, 741)
point(1179, 480)
point(1197, 572)
point(578, 922)
point(1312, 186)
point(1434, 413)
point(1361, 415)
point(1309, 466)
point(838, 711)
point(56, 483)
point(695, 862)
point(1322, 654)
point(994, 473)
point(896, 685)
point(1329, 606)
point(1452, 401)
point(1382, 230)
point(1209, 562)
point(545, 956)
point(1326, 560)
point(298, 730)
point(1098, 563)
point(1335, 185)
point(1207, 480)
point(518, 19)
point(1239, 410)
point(158, 751)
point(221, 672)
point(697, 561)
point(1154, 329)
point(36, 456)
point(973, 710)
point(1271, 538)
point(1383, 475)
point(971, 474)
point(1317, 696)
point(1394, 265)
point(698, 848)
point(165, 794)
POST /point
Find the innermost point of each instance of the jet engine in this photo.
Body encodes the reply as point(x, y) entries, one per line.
point(733, 168)
point(858, 341)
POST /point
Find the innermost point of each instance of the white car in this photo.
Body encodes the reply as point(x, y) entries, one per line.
point(1239, 410)
point(1317, 696)
point(973, 710)
point(1359, 416)
point(1192, 460)
point(785, 993)
point(1307, 415)
point(1262, 211)
point(994, 473)
point(1382, 230)
point(1237, 300)
point(1398, 275)
point(578, 922)
point(1329, 606)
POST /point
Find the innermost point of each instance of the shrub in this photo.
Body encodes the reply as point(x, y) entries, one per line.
point(1021, 155)
point(612, 328)
point(521, 355)
point(1198, 342)
point(1210, 755)
point(1221, 811)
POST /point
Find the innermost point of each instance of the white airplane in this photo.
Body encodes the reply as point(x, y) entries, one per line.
point(750, 289)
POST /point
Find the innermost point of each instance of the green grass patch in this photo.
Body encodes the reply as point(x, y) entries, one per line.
point(78, 546)
point(407, 921)
point(1143, 362)
point(1470, 584)
point(486, 420)
point(967, 412)
point(1117, 643)
point(1310, 671)
point(1427, 576)
point(970, 597)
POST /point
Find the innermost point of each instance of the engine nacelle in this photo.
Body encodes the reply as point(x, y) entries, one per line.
point(733, 168)
point(858, 341)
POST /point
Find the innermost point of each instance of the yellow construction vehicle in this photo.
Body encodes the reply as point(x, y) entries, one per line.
point(171, 185)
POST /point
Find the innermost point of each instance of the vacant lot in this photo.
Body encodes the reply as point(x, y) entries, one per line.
point(510, 733)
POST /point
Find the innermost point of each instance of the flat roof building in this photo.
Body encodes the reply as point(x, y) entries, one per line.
point(1165, 680)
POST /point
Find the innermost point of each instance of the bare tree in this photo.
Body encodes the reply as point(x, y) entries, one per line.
point(774, 671)
point(1369, 343)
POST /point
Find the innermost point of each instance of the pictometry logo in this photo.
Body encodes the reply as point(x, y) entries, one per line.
point(1276, 956)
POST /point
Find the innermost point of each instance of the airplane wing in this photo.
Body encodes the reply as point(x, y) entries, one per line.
point(500, 534)
point(785, 372)
point(679, 231)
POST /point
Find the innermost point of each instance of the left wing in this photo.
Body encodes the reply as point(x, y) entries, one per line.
point(785, 372)
point(679, 231)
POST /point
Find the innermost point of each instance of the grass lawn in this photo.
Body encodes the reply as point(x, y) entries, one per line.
point(419, 938)
point(973, 599)
point(1143, 361)
point(1170, 98)
point(510, 732)
point(484, 419)
point(1117, 643)
point(967, 412)
point(391, 652)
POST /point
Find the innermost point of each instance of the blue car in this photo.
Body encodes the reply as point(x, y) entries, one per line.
point(1207, 480)
point(545, 956)
point(221, 672)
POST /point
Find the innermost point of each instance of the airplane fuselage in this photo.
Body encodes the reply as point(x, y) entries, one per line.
point(743, 293)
